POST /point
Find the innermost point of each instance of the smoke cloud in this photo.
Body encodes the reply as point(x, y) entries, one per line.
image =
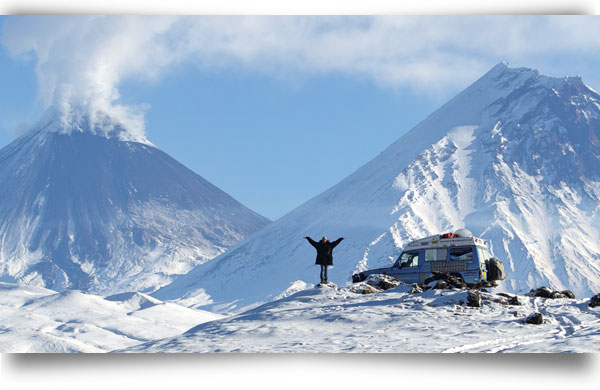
point(81, 60)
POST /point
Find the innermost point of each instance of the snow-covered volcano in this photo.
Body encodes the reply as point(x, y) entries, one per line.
point(514, 158)
point(82, 206)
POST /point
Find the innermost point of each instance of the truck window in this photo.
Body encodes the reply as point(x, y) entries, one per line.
point(461, 253)
point(436, 254)
point(408, 259)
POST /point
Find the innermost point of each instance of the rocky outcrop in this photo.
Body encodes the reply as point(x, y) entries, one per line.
point(547, 292)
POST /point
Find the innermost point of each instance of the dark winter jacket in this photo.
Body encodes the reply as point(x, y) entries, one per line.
point(324, 250)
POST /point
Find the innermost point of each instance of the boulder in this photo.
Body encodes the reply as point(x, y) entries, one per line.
point(364, 288)
point(382, 282)
point(547, 292)
point(535, 319)
point(456, 281)
point(595, 300)
point(440, 285)
point(451, 280)
point(436, 276)
point(510, 299)
point(544, 292)
point(484, 283)
point(474, 299)
point(568, 293)
point(418, 288)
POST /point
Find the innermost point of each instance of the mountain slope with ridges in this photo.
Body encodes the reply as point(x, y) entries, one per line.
point(89, 211)
point(514, 158)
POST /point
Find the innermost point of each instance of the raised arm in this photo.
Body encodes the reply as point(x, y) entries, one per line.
point(334, 244)
point(311, 241)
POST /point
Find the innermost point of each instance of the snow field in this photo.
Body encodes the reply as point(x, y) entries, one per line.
point(34, 319)
point(324, 320)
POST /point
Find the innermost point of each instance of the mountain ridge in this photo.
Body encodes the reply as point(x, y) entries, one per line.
point(466, 164)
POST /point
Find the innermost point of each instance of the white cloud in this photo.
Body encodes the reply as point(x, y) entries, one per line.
point(81, 60)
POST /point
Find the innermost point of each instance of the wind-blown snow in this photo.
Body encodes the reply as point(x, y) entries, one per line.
point(514, 158)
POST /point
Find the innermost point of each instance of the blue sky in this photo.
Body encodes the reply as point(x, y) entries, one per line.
point(273, 110)
point(271, 144)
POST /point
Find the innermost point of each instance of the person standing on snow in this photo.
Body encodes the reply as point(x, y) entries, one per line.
point(324, 254)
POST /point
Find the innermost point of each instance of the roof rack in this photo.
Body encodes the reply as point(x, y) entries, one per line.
point(445, 240)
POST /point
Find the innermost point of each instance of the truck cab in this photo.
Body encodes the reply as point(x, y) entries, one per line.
point(456, 253)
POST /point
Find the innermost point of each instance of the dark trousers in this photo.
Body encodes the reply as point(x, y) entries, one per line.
point(324, 274)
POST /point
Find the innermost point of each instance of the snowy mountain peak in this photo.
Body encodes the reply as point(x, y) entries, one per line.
point(504, 78)
point(84, 208)
point(503, 69)
point(75, 118)
point(515, 158)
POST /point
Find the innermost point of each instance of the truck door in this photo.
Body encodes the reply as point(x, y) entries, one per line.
point(406, 268)
point(483, 256)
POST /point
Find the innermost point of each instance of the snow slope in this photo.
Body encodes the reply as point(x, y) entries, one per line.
point(85, 208)
point(336, 320)
point(35, 319)
point(514, 158)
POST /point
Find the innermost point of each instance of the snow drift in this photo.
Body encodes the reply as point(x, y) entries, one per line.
point(36, 319)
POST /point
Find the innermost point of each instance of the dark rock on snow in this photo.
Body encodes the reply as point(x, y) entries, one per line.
point(544, 292)
point(382, 282)
point(364, 288)
point(418, 288)
point(535, 319)
point(440, 285)
point(547, 292)
point(512, 299)
point(451, 281)
point(474, 299)
point(595, 300)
